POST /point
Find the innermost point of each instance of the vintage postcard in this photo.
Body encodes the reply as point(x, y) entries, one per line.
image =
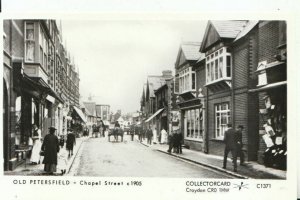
point(140, 106)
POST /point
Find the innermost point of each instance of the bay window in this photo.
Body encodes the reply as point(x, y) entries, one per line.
point(218, 65)
point(222, 118)
point(187, 80)
point(43, 54)
point(29, 42)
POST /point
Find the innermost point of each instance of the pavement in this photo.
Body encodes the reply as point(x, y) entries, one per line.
point(251, 170)
point(64, 163)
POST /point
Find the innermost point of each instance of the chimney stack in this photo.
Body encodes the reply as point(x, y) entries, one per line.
point(167, 73)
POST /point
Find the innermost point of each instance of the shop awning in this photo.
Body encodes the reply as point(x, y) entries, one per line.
point(156, 113)
point(80, 113)
point(269, 86)
point(41, 87)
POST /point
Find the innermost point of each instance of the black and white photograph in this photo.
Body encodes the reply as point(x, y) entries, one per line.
point(145, 98)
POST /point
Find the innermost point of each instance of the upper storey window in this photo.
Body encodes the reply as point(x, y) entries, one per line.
point(187, 80)
point(29, 42)
point(218, 65)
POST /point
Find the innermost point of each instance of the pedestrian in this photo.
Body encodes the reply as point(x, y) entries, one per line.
point(37, 144)
point(117, 124)
point(230, 140)
point(132, 132)
point(101, 128)
point(50, 148)
point(239, 135)
point(144, 131)
point(86, 131)
point(154, 136)
point(149, 136)
point(180, 141)
point(171, 143)
point(175, 142)
point(71, 141)
point(164, 136)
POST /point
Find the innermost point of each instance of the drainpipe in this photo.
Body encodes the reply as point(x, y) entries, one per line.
point(232, 90)
point(206, 124)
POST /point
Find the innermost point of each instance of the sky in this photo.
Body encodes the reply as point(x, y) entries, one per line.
point(114, 57)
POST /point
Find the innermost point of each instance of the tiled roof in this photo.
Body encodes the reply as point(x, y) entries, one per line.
point(229, 29)
point(155, 82)
point(249, 26)
point(191, 50)
point(91, 107)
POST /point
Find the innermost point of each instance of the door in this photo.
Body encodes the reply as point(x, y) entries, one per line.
point(5, 126)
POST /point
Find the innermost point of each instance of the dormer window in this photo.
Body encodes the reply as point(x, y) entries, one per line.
point(218, 65)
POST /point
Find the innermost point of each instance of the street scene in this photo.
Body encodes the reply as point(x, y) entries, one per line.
point(152, 98)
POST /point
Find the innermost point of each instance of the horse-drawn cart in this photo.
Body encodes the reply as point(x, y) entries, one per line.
point(116, 132)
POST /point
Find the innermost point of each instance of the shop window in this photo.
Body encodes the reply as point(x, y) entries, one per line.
point(29, 42)
point(194, 124)
point(218, 65)
point(18, 120)
point(222, 118)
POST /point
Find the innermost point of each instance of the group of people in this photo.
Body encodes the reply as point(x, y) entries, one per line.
point(233, 143)
point(49, 148)
point(151, 135)
point(99, 130)
point(175, 142)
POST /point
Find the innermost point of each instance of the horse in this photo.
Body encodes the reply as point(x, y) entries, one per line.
point(116, 132)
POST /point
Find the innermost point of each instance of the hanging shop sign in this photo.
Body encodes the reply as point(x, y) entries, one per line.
point(50, 98)
point(262, 76)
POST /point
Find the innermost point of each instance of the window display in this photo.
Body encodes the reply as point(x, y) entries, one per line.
point(194, 124)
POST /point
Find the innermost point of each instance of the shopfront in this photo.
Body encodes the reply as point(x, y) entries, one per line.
point(272, 92)
point(193, 124)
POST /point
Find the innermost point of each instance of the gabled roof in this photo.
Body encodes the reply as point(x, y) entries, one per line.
point(91, 107)
point(191, 50)
point(155, 82)
point(229, 29)
point(219, 30)
point(164, 85)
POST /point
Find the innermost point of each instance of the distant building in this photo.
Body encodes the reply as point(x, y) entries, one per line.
point(103, 111)
point(149, 103)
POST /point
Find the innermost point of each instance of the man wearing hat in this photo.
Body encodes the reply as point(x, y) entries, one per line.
point(230, 140)
point(239, 135)
point(51, 148)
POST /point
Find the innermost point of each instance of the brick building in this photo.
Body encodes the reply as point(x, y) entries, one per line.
point(271, 85)
point(245, 65)
point(150, 108)
point(166, 104)
point(189, 85)
point(33, 92)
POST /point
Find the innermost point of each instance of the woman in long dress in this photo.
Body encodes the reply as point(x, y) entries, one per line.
point(163, 136)
point(37, 144)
